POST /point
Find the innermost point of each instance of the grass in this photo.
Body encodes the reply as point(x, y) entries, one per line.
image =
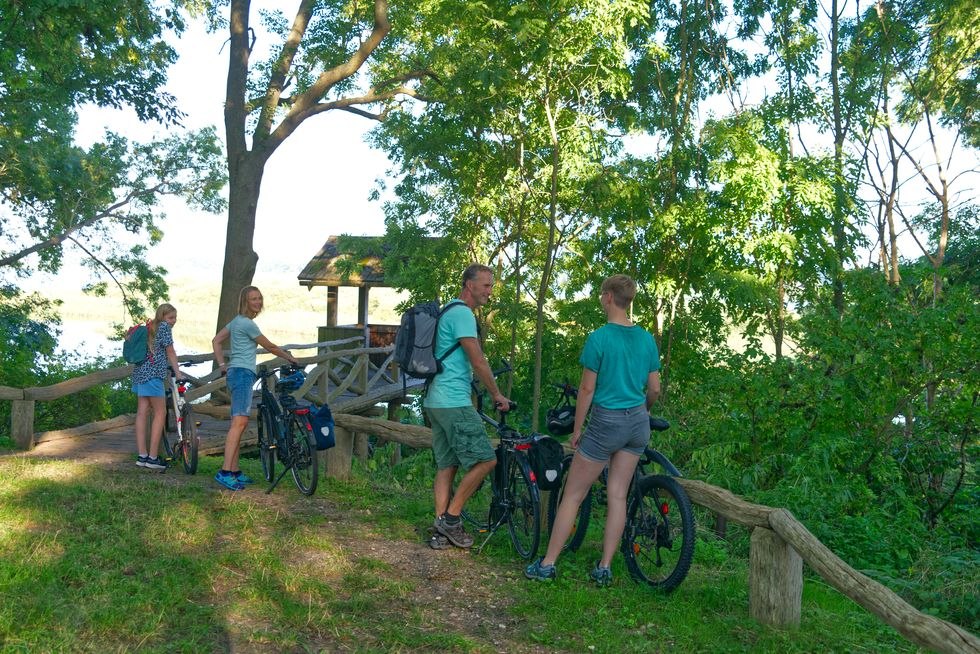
point(118, 559)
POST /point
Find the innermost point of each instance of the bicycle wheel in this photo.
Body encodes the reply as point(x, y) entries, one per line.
point(477, 510)
point(189, 440)
point(302, 453)
point(581, 525)
point(524, 506)
point(658, 542)
point(266, 440)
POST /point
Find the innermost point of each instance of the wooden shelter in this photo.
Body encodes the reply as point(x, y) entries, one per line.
point(334, 268)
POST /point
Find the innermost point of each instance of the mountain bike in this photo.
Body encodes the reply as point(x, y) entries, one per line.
point(511, 496)
point(285, 431)
point(180, 439)
point(658, 541)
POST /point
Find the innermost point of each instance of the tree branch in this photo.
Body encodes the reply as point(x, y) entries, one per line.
point(57, 239)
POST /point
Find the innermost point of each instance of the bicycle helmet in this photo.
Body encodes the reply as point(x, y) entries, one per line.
point(561, 420)
point(292, 381)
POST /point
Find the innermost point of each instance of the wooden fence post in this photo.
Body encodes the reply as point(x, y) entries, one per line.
point(22, 423)
point(396, 452)
point(339, 456)
point(361, 449)
point(775, 580)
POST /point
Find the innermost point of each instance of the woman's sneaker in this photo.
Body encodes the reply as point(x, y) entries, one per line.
point(601, 576)
point(229, 480)
point(540, 572)
point(155, 463)
point(141, 460)
point(243, 478)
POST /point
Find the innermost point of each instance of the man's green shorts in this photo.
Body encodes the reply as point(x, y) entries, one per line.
point(458, 438)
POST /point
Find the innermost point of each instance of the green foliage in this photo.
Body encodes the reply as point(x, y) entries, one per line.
point(101, 200)
point(28, 340)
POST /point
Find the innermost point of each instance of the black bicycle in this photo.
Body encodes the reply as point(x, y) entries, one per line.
point(285, 431)
point(180, 439)
point(511, 497)
point(658, 541)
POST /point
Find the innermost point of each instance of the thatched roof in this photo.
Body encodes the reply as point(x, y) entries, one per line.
point(324, 269)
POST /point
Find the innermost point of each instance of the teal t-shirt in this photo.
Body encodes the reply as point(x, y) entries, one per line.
point(622, 358)
point(243, 331)
point(451, 388)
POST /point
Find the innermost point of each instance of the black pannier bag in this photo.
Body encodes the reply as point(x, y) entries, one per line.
point(546, 455)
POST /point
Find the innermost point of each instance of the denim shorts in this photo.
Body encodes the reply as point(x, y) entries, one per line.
point(459, 438)
point(240, 383)
point(611, 430)
point(150, 388)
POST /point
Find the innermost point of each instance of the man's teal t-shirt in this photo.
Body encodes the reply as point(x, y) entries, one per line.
point(451, 388)
point(243, 331)
point(622, 358)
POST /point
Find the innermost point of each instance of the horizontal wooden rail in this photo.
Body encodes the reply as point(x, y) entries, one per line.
point(23, 399)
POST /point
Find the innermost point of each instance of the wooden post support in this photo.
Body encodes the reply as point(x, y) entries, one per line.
point(361, 449)
point(339, 456)
point(775, 580)
point(396, 452)
point(22, 423)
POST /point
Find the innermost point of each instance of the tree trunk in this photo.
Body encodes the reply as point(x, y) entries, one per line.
point(245, 181)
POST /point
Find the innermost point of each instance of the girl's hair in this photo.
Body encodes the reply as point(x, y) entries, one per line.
point(243, 302)
point(623, 290)
point(163, 311)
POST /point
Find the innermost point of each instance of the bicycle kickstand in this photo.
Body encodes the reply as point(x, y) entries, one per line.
point(490, 531)
point(279, 478)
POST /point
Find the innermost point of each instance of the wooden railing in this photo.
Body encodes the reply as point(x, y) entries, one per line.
point(779, 546)
point(342, 376)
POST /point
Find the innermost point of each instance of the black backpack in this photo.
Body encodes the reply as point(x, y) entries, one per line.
point(415, 341)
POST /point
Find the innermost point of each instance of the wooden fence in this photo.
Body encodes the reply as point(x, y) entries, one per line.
point(343, 376)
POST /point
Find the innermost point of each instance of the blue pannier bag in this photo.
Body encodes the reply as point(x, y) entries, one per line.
point(322, 421)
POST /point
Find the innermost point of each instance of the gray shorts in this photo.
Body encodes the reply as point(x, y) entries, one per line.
point(611, 430)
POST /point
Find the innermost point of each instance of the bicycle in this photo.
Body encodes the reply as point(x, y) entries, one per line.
point(658, 547)
point(512, 496)
point(285, 431)
point(180, 422)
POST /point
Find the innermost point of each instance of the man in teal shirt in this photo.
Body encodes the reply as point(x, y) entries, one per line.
point(459, 439)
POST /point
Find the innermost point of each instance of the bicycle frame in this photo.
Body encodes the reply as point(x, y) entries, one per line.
point(180, 421)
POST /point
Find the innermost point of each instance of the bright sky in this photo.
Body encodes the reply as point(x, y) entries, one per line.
point(316, 184)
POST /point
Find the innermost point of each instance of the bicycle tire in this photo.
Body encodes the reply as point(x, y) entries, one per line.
point(189, 440)
point(658, 542)
point(477, 510)
point(266, 436)
point(302, 453)
point(523, 503)
point(581, 525)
